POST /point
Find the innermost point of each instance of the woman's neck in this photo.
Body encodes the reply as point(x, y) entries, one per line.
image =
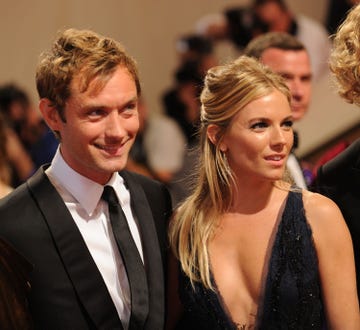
point(252, 198)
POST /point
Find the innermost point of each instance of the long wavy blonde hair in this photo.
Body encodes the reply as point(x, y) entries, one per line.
point(345, 57)
point(227, 90)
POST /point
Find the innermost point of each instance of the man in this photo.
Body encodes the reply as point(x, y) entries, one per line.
point(277, 17)
point(83, 277)
point(339, 179)
point(288, 57)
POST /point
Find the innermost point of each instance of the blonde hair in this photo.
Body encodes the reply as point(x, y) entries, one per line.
point(345, 57)
point(227, 90)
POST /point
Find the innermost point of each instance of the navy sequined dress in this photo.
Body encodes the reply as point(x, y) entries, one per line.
point(292, 298)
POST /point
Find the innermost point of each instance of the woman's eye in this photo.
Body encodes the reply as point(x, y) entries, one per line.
point(288, 123)
point(259, 125)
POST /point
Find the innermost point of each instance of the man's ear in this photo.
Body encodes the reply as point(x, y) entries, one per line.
point(213, 135)
point(50, 114)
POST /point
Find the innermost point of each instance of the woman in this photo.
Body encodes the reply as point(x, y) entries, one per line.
point(256, 253)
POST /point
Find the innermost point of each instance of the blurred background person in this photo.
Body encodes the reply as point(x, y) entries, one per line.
point(181, 103)
point(35, 137)
point(14, 289)
point(243, 23)
point(5, 169)
point(195, 56)
point(339, 178)
point(18, 160)
point(193, 47)
point(277, 17)
point(159, 147)
point(336, 13)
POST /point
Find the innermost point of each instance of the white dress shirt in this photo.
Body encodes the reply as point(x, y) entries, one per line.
point(83, 199)
point(296, 172)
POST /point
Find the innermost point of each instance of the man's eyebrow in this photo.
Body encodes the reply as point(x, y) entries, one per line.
point(132, 100)
point(95, 105)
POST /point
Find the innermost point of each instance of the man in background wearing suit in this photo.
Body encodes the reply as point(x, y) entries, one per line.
point(83, 277)
point(287, 56)
point(339, 178)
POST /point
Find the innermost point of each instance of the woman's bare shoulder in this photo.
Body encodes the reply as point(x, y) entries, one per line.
point(323, 215)
point(315, 202)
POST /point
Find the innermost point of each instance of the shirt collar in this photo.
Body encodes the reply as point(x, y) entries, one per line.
point(84, 190)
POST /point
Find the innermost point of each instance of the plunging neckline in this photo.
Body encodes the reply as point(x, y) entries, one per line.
point(291, 292)
point(267, 265)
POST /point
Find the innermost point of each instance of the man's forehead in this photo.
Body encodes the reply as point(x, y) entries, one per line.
point(281, 53)
point(278, 59)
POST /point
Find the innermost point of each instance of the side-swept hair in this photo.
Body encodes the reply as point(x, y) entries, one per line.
point(81, 53)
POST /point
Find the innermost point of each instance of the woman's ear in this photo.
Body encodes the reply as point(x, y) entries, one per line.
point(213, 135)
point(212, 132)
point(50, 114)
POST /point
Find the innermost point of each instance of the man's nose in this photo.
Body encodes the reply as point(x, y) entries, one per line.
point(114, 125)
point(297, 89)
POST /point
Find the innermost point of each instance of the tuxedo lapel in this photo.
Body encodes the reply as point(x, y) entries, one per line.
point(351, 197)
point(151, 249)
point(81, 268)
point(354, 176)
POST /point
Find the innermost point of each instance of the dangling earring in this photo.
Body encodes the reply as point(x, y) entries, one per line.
point(226, 163)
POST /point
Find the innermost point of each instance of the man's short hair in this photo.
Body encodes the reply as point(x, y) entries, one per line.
point(84, 54)
point(279, 40)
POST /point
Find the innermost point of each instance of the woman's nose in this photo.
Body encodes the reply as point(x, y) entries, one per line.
point(278, 135)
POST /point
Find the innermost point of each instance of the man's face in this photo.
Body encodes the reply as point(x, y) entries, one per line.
point(294, 66)
point(275, 17)
point(100, 126)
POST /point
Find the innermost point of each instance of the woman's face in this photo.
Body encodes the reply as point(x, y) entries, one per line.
point(260, 138)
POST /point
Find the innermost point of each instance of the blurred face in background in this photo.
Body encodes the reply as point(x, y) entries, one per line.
point(294, 66)
point(276, 18)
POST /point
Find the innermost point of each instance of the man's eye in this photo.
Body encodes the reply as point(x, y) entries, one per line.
point(131, 106)
point(286, 76)
point(96, 113)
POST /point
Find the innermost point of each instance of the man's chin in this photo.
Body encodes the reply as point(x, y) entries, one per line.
point(114, 165)
point(298, 114)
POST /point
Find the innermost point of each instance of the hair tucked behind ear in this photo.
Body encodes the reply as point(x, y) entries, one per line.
point(227, 90)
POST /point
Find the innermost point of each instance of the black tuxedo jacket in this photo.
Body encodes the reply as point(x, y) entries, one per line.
point(68, 291)
point(339, 179)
